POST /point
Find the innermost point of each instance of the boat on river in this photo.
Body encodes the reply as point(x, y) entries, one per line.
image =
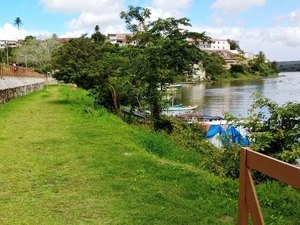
point(178, 109)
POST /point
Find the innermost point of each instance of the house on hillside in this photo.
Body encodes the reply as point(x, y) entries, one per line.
point(121, 39)
point(64, 40)
point(9, 43)
point(249, 55)
point(219, 45)
point(213, 45)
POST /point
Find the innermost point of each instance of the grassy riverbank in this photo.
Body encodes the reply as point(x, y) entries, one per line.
point(245, 76)
point(62, 162)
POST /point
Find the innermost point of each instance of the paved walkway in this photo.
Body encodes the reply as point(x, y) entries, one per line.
point(13, 82)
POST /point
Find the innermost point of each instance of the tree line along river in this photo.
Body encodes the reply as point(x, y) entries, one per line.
point(235, 96)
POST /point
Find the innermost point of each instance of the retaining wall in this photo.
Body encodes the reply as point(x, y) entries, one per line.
point(12, 87)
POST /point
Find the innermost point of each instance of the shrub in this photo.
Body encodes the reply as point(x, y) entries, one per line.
point(237, 68)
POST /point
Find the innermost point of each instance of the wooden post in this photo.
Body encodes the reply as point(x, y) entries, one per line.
point(248, 201)
point(243, 209)
point(252, 201)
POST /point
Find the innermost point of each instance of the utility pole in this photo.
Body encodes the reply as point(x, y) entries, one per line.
point(6, 52)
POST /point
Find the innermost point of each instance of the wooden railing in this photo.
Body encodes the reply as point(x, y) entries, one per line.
point(18, 71)
point(248, 201)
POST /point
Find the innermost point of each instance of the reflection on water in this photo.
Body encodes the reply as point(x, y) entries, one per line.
point(235, 96)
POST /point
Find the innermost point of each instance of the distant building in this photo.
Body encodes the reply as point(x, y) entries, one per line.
point(121, 39)
point(64, 40)
point(249, 55)
point(10, 43)
point(215, 45)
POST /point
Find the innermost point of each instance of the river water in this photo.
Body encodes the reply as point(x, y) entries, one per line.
point(235, 96)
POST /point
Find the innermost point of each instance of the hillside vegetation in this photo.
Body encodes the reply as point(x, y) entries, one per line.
point(64, 162)
point(289, 66)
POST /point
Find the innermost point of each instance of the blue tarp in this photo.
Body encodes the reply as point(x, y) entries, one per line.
point(214, 130)
point(234, 135)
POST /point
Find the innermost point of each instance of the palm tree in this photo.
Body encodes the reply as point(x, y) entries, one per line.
point(18, 22)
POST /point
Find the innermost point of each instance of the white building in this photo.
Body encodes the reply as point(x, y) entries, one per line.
point(249, 55)
point(121, 39)
point(215, 45)
point(9, 43)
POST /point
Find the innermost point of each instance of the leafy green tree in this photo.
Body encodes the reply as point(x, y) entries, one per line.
point(72, 59)
point(97, 36)
point(131, 75)
point(138, 14)
point(7, 52)
point(102, 69)
point(214, 66)
point(28, 39)
point(37, 53)
point(274, 129)
point(237, 68)
point(162, 53)
point(261, 66)
point(274, 66)
point(234, 45)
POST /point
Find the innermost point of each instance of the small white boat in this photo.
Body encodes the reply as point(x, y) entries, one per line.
point(175, 86)
point(178, 109)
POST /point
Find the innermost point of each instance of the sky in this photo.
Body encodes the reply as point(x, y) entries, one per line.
point(271, 26)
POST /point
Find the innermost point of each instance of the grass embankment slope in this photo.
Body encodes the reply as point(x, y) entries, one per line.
point(62, 162)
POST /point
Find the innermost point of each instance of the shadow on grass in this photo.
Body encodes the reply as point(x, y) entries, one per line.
point(61, 102)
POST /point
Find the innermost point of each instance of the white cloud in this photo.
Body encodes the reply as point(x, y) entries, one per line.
point(104, 13)
point(94, 6)
point(73, 34)
point(292, 18)
point(9, 32)
point(236, 6)
point(170, 5)
point(159, 13)
point(279, 43)
point(168, 8)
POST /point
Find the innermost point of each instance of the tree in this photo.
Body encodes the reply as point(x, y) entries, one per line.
point(261, 66)
point(37, 53)
point(214, 66)
point(138, 14)
point(274, 129)
point(72, 59)
point(162, 53)
point(29, 38)
point(234, 45)
point(7, 55)
point(18, 22)
point(131, 75)
point(97, 36)
point(102, 69)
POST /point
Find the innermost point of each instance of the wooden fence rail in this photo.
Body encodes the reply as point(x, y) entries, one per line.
point(18, 71)
point(248, 201)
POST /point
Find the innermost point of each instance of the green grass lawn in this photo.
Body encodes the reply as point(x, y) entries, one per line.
point(62, 162)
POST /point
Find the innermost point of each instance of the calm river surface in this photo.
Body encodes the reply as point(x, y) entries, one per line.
point(235, 96)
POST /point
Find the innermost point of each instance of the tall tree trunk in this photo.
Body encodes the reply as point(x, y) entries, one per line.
point(154, 105)
point(114, 99)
